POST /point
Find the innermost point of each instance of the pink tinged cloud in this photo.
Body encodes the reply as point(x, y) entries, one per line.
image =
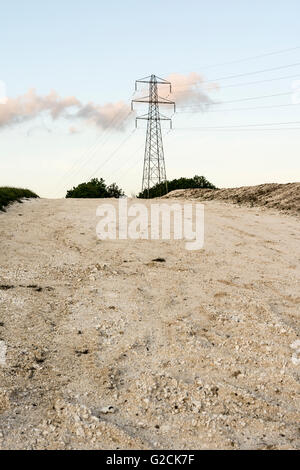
point(190, 89)
point(30, 105)
point(186, 89)
point(108, 115)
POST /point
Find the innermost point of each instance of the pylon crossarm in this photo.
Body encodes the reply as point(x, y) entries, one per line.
point(163, 117)
point(148, 99)
point(159, 101)
point(149, 79)
point(164, 82)
point(153, 79)
point(143, 79)
point(142, 98)
point(160, 117)
point(143, 116)
point(165, 100)
point(171, 102)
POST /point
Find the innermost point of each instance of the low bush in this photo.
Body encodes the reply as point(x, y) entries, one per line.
point(95, 189)
point(181, 183)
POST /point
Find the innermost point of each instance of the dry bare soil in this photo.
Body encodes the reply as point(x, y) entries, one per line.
point(101, 347)
point(283, 197)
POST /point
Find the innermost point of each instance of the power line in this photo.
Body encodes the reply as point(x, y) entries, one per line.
point(112, 153)
point(229, 129)
point(229, 77)
point(133, 154)
point(104, 137)
point(241, 109)
point(261, 81)
point(128, 160)
point(93, 147)
point(245, 59)
point(241, 84)
point(240, 100)
point(121, 122)
point(138, 160)
point(98, 144)
point(111, 122)
point(248, 125)
point(256, 57)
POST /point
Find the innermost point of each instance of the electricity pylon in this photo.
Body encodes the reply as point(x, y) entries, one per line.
point(154, 162)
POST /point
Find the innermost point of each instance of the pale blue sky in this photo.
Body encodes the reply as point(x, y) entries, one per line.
point(94, 50)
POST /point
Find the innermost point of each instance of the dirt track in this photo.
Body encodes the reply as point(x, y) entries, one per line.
point(100, 347)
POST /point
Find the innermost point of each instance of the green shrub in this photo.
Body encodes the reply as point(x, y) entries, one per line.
point(182, 183)
point(95, 189)
point(8, 195)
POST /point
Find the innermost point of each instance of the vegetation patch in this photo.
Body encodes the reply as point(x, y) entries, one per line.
point(96, 188)
point(181, 183)
point(9, 195)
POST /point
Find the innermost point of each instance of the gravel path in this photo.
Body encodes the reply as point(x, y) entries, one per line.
point(101, 347)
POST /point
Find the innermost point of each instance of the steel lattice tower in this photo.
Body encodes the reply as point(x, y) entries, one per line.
point(154, 162)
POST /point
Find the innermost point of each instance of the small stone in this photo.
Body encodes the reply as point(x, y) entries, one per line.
point(236, 373)
point(80, 352)
point(107, 409)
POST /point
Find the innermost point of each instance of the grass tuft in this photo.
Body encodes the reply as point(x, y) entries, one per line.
point(8, 195)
